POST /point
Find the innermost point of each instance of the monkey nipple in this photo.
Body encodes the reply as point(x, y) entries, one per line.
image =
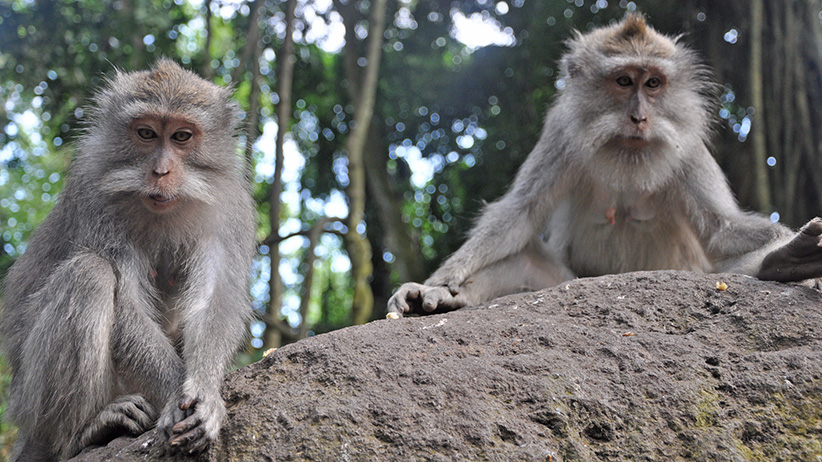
point(610, 214)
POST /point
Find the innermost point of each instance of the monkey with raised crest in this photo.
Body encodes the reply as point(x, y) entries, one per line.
point(127, 307)
point(620, 180)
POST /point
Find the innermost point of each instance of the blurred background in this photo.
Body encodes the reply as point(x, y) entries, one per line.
point(376, 129)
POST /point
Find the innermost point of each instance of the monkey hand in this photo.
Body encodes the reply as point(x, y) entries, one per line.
point(127, 415)
point(192, 423)
point(412, 297)
point(451, 276)
point(799, 259)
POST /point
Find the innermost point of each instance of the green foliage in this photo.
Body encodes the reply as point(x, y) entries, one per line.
point(8, 432)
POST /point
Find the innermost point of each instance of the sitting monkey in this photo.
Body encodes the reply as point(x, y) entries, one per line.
point(620, 180)
point(133, 295)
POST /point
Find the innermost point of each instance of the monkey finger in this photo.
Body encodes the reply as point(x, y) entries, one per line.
point(398, 303)
point(186, 424)
point(148, 409)
point(132, 426)
point(198, 445)
point(141, 409)
point(813, 227)
point(434, 297)
point(186, 439)
point(186, 402)
point(406, 294)
point(143, 417)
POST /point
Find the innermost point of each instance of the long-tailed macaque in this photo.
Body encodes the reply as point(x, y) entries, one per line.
point(620, 180)
point(132, 297)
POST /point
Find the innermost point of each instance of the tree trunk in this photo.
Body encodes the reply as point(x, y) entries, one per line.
point(761, 189)
point(308, 279)
point(252, 38)
point(285, 78)
point(359, 249)
point(206, 71)
point(784, 85)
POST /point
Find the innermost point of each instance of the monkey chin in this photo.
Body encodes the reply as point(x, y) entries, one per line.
point(159, 203)
point(634, 163)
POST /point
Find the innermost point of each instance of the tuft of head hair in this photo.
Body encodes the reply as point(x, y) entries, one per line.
point(166, 81)
point(632, 38)
point(166, 88)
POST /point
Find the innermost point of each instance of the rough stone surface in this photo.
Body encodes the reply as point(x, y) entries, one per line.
point(650, 366)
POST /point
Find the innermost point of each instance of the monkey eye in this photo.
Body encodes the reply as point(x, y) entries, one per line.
point(624, 81)
point(146, 133)
point(653, 82)
point(181, 136)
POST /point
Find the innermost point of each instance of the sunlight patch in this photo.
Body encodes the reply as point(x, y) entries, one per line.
point(480, 30)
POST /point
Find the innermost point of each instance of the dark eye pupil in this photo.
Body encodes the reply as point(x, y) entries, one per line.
point(623, 81)
point(181, 136)
point(653, 83)
point(145, 133)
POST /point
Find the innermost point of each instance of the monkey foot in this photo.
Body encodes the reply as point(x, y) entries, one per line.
point(799, 259)
point(127, 415)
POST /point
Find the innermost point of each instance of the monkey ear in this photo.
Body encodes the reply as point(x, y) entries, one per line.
point(571, 66)
point(574, 69)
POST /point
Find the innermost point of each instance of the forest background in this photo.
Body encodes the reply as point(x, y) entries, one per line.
point(399, 118)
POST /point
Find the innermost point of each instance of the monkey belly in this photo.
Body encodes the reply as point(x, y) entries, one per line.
point(661, 243)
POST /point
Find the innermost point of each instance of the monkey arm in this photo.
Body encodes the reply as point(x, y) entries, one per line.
point(746, 243)
point(215, 309)
point(504, 230)
point(145, 357)
point(533, 268)
point(507, 226)
point(782, 256)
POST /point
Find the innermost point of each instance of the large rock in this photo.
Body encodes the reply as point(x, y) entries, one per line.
point(650, 366)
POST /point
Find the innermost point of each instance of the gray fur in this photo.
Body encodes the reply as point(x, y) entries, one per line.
point(583, 204)
point(115, 312)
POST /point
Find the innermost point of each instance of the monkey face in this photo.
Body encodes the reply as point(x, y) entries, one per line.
point(635, 90)
point(637, 101)
point(162, 144)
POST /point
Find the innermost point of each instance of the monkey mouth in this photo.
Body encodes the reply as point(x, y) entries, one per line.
point(159, 202)
point(632, 141)
point(160, 199)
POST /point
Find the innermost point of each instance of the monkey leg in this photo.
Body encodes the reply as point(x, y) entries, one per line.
point(127, 415)
point(31, 448)
point(799, 259)
point(66, 375)
point(145, 357)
